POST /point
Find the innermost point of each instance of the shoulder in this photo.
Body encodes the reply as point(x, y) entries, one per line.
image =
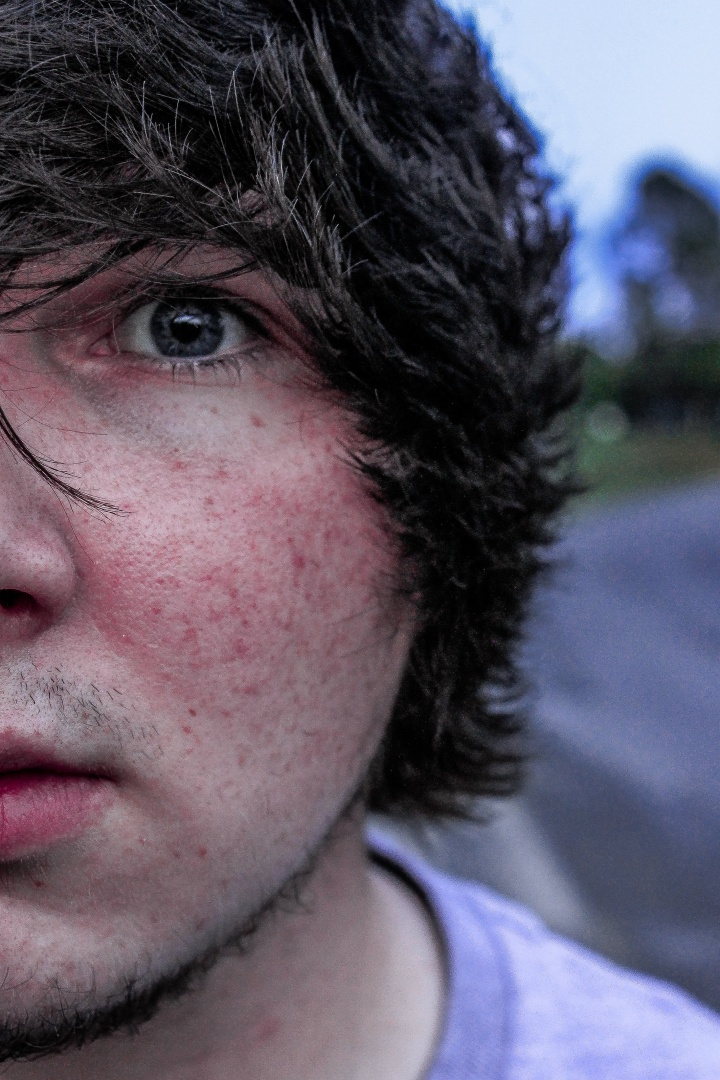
point(596, 1018)
point(559, 1012)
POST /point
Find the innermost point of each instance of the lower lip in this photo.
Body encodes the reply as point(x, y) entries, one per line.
point(39, 807)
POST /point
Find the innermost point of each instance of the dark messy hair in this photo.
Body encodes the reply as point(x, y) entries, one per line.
point(362, 150)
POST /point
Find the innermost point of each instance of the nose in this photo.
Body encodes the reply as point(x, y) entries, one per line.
point(37, 571)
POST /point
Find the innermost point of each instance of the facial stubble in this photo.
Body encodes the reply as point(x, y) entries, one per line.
point(71, 1020)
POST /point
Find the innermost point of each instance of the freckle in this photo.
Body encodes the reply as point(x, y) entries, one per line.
point(202, 852)
point(257, 421)
point(191, 712)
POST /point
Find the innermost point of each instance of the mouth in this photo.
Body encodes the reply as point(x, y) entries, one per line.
point(43, 801)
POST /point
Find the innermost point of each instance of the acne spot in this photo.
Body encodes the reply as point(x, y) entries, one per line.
point(250, 690)
point(39, 884)
point(191, 712)
point(202, 852)
point(257, 421)
point(156, 610)
point(187, 729)
point(241, 648)
point(298, 560)
point(209, 501)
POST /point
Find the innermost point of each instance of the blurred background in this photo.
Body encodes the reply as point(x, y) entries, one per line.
point(616, 839)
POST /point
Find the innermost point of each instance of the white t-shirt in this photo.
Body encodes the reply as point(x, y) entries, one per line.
point(525, 1004)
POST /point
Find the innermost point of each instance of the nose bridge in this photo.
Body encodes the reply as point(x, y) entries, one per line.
point(22, 399)
point(36, 559)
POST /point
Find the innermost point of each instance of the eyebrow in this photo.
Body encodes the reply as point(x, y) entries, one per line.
point(115, 286)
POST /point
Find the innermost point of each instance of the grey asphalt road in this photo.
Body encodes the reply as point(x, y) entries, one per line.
point(616, 841)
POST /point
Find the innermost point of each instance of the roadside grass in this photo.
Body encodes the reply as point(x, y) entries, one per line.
point(640, 461)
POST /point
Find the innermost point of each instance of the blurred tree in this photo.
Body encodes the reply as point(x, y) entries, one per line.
point(668, 254)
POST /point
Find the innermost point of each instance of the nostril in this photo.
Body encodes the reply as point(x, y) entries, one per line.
point(19, 603)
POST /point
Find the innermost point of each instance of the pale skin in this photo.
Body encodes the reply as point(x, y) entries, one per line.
point(227, 652)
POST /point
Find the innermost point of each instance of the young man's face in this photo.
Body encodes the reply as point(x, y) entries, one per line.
point(200, 681)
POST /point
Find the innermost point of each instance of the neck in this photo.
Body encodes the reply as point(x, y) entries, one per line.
point(346, 984)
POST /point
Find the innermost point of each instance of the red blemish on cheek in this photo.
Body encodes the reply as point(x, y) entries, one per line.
point(187, 729)
point(251, 691)
point(191, 712)
point(202, 852)
point(240, 649)
point(298, 561)
point(268, 1029)
point(257, 421)
point(39, 884)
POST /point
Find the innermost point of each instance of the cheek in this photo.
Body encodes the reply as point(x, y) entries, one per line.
point(249, 604)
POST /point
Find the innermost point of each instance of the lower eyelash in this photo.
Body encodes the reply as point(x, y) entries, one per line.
point(195, 364)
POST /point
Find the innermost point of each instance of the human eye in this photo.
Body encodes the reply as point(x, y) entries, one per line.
point(187, 330)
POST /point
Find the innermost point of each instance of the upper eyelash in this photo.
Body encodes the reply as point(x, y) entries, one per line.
point(227, 300)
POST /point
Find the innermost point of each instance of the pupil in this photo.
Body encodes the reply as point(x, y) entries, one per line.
point(186, 328)
point(183, 328)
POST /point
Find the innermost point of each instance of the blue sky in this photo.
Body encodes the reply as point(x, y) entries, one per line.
point(609, 82)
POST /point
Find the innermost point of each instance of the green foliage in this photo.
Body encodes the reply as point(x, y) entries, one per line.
point(642, 461)
point(652, 416)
